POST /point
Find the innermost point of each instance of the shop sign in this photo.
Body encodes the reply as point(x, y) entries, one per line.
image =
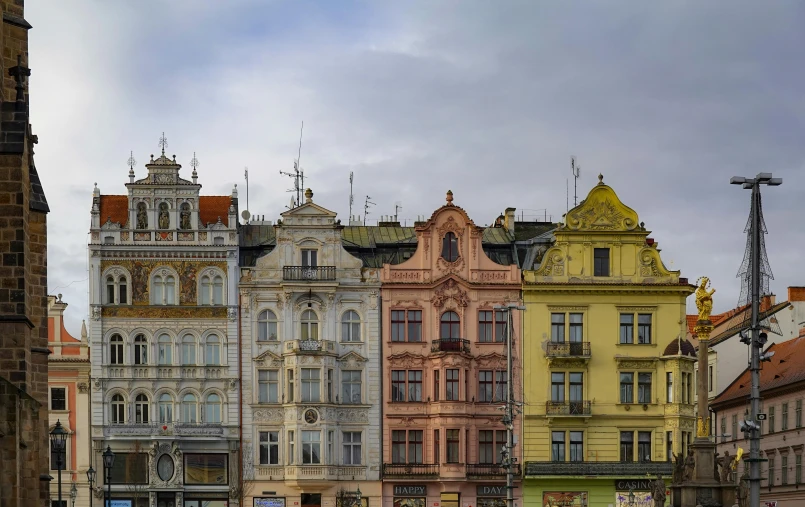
point(410, 490)
point(633, 484)
point(481, 490)
point(564, 499)
point(269, 502)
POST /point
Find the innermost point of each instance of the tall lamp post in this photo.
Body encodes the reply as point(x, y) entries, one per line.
point(73, 493)
point(757, 340)
point(508, 418)
point(91, 479)
point(58, 442)
point(108, 462)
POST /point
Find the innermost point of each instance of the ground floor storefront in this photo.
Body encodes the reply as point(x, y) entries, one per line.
point(588, 492)
point(315, 493)
point(448, 494)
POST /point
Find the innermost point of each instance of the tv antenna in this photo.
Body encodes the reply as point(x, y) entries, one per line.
point(366, 208)
point(576, 168)
point(351, 197)
point(246, 175)
point(397, 208)
point(298, 175)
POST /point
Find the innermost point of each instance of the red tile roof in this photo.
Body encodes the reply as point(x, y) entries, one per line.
point(765, 303)
point(115, 207)
point(785, 368)
point(213, 206)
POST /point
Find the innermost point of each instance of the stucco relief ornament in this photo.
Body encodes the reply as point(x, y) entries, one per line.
point(450, 290)
point(96, 313)
point(232, 313)
point(704, 299)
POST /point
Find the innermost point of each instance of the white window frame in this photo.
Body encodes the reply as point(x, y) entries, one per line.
point(210, 404)
point(146, 404)
point(164, 297)
point(268, 382)
point(344, 383)
point(348, 448)
point(66, 397)
point(268, 444)
point(170, 405)
point(265, 321)
point(351, 326)
point(309, 328)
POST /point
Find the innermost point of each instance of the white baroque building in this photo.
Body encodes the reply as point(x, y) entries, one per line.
point(311, 357)
point(164, 343)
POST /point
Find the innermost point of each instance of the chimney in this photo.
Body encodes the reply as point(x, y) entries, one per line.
point(796, 294)
point(508, 220)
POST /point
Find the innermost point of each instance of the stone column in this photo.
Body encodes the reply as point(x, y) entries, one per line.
point(703, 329)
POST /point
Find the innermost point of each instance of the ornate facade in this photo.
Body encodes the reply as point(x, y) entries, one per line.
point(164, 340)
point(310, 360)
point(610, 390)
point(444, 371)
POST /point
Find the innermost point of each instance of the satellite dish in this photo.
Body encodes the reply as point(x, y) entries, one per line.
point(246, 215)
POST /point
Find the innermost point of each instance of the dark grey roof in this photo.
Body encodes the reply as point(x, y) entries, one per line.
point(37, 200)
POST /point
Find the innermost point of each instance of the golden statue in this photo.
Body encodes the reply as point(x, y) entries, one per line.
point(704, 299)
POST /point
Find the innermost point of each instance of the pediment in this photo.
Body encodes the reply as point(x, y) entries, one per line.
point(352, 356)
point(307, 210)
point(267, 356)
point(406, 359)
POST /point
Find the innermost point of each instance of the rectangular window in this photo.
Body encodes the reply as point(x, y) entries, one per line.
point(58, 398)
point(784, 469)
point(352, 448)
point(576, 446)
point(501, 386)
point(501, 443)
point(710, 379)
point(329, 386)
point(735, 426)
point(351, 387)
point(723, 428)
point(414, 385)
point(557, 327)
point(644, 387)
point(435, 385)
point(557, 387)
point(627, 328)
point(689, 388)
point(784, 415)
point(771, 419)
point(485, 386)
point(576, 384)
point(397, 385)
point(415, 446)
point(398, 325)
point(291, 455)
point(452, 438)
point(268, 386)
point(451, 384)
point(269, 448)
point(644, 328)
point(309, 258)
point(798, 414)
point(669, 387)
point(437, 447)
point(132, 468)
point(311, 447)
point(311, 384)
point(122, 292)
point(627, 387)
point(644, 445)
point(771, 472)
point(684, 388)
point(798, 468)
point(330, 454)
point(669, 445)
point(601, 262)
point(557, 446)
point(414, 325)
point(576, 329)
point(290, 385)
point(627, 446)
point(500, 326)
point(398, 446)
point(485, 326)
point(486, 446)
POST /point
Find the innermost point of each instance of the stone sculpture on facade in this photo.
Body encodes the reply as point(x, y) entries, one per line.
point(658, 492)
point(679, 467)
point(704, 299)
point(164, 220)
point(690, 465)
point(142, 216)
point(185, 217)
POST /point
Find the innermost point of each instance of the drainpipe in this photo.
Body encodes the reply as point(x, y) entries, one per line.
point(380, 370)
point(240, 400)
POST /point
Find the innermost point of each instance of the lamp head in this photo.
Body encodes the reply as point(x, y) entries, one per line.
point(73, 492)
point(58, 437)
point(108, 458)
point(91, 475)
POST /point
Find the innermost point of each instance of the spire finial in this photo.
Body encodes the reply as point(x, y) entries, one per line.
point(308, 195)
point(449, 198)
point(600, 179)
point(194, 162)
point(163, 143)
point(131, 163)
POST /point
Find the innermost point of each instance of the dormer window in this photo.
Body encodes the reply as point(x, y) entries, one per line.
point(309, 258)
point(450, 247)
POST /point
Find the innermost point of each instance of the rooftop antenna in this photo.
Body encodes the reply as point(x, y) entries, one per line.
point(567, 195)
point(351, 197)
point(163, 143)
point(246, 174)
point(366, 208)
point(397, 208)
point(576, 172)
point(298, 175)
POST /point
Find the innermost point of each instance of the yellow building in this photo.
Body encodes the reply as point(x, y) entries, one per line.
point(608, 392)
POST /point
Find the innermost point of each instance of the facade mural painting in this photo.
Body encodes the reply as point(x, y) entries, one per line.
point(141, 271)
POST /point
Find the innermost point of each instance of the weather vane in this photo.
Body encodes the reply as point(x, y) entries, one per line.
point(163, 143)
point(131, 162)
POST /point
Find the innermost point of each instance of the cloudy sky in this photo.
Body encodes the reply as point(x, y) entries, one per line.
point(489, 99)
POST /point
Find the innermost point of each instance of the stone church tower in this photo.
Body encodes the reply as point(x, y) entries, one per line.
point(23, 281)
point(164, 339)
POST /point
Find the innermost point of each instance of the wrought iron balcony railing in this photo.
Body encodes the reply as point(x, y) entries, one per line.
point(568, 408)
point(568, 349)
point(450, 345)
point(486, 470)
point(598, 468)
point(308, 273)
point(409, 470)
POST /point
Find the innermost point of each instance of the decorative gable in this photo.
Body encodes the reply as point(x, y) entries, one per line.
point(601, 211)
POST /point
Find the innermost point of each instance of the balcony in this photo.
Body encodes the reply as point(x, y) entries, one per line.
point(598, 468)
point(450, 345)
point(490, 471)
point(309, 346)
point(308, 273)
point(568, 408)
point(568, 349)
point(410, 471)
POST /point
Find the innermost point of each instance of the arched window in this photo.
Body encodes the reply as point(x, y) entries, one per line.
point(266, 326)
point(450, 326)
point(218, 290)
point(122, 291)
point(140, 350)
point(163, 290)
point(206, 289)
point(213, 350)
point(189, 409)
point(351, 327)
point(110, 290)
point(450, 247)
point(141, 409)
point(188, 349)
point(118, 407)
point(165, 408)
point(310, 325)
point(165, 350)
point(213, 409)
point(116, 349)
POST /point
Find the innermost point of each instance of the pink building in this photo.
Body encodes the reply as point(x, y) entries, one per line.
point(782, 389)
point(444, 364)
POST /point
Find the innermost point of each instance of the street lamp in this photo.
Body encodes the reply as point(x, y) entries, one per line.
point(91, 479)
point(73, 494)
point(631, 498)
point(358, 497)
point(108, 462)
point(58, 442)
